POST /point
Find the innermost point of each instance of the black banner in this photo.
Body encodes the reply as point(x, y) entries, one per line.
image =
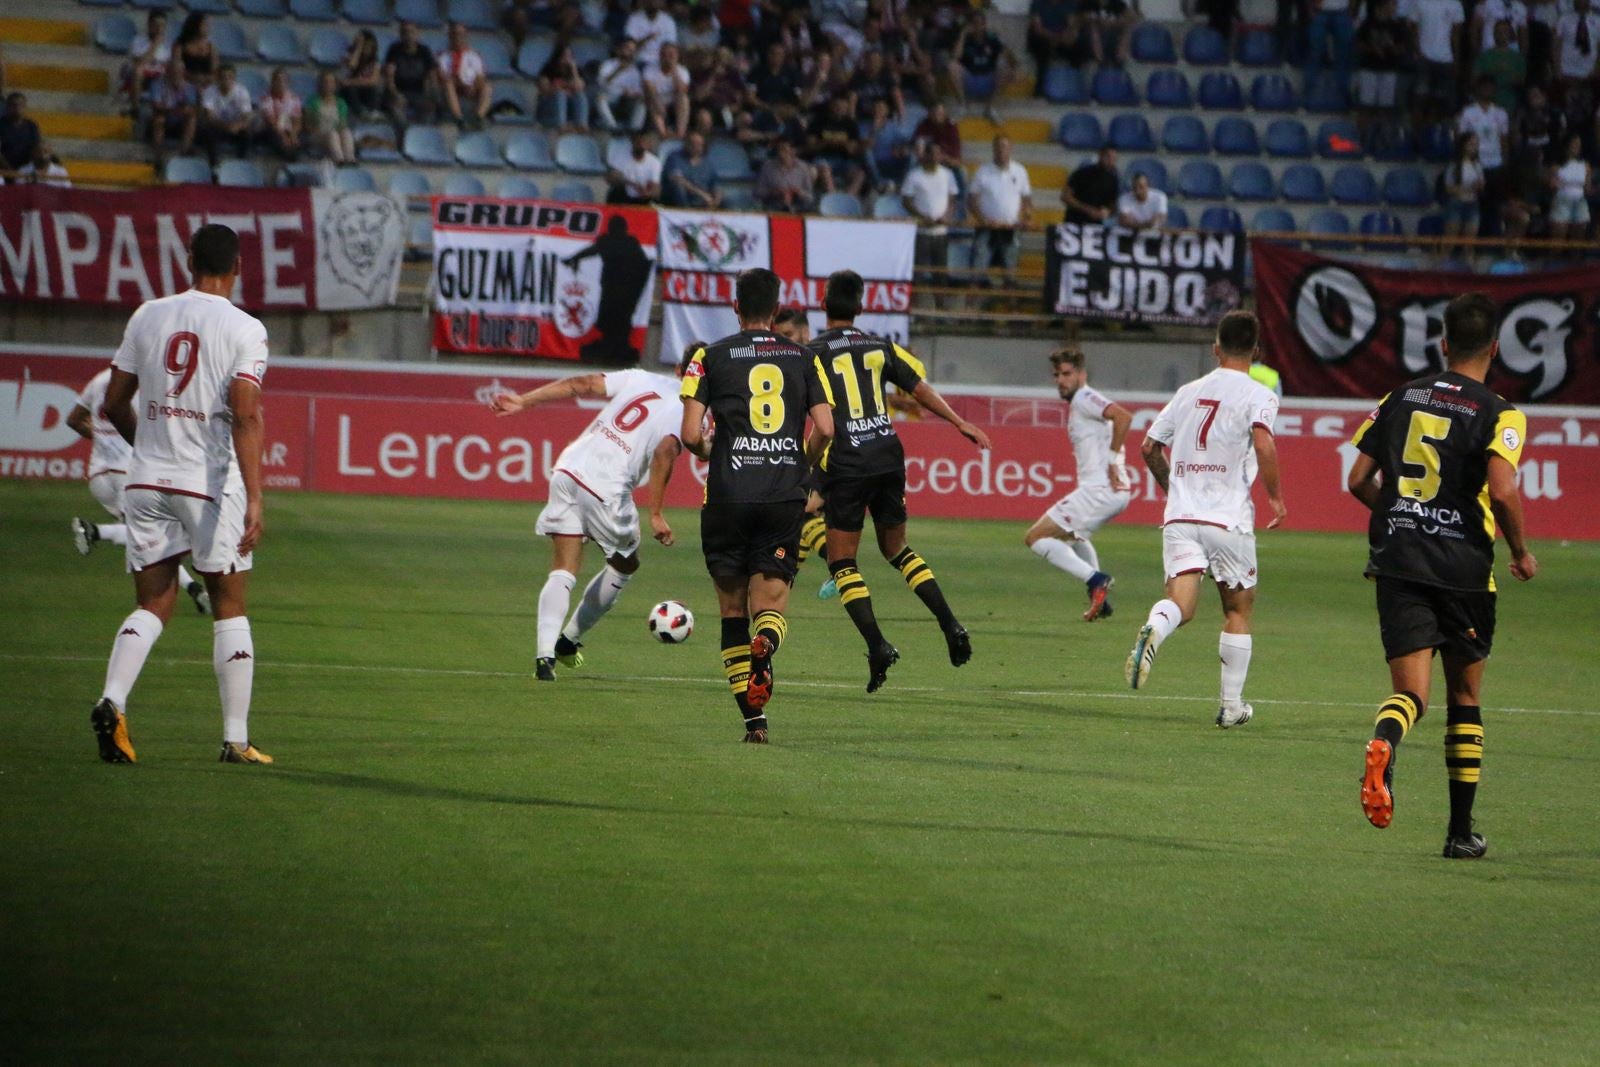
point(1150, 276)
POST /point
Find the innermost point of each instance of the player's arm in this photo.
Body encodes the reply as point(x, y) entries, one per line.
point(591, 386)
point(81, 421)
point(118, 405)
point(662, 462)
point(244, 407)
point(1363, 480)
point(692, 432)
point(1155, 458)
point(1267, 459)
point(1506, 504)
point(929, 397)
point(1120, 419)
point(821, 435)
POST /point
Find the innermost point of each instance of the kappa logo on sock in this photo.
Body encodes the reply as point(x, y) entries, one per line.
point(129, 630)
point(241, 654)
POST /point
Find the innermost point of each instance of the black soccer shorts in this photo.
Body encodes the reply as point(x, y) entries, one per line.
point(847, 501)
point(739, 540)
point(1413, 616)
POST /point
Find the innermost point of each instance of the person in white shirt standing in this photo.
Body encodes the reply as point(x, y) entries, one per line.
point(1000, 202)
point(195, 364)
point(650, 27)
point(1492, 126)
point(928, 193)
point(1097, 427)
point(1219, 429)
point(633, 441)
point(1441, 37)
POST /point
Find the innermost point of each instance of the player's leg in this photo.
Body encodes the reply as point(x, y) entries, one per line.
point(1410, 633)
point(889, 520)
point(1233, 649)
point(1050, 540)
point(155, 590)
point(773, 549)
point(733, 602)
point(1469, 636)
point(1184, 560)
point(233, 658)
point(555, 599)
point(597, 599)
point(106, 488)
point(1061, 537)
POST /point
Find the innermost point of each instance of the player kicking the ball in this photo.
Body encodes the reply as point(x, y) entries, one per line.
point(1097, 427)
point(1219, 429)
point(196, 363)
point(633, 441)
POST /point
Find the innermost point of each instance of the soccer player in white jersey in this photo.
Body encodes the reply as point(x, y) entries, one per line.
point(194, 363)
point(1219, 429)
point(1097, 427)
point(108, 473)
point(632, 442)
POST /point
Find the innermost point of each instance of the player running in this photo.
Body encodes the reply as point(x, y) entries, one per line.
point(108, 474)
point(865, 469)
point(196, 363)
point(1220, 431)
point(1438, 468)
point(1097, 428)
point(632, 441)
point(791, 324)
point(758, 388)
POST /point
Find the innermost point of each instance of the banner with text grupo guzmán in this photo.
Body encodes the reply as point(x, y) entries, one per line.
point(538, 278)
point(1150, 276)
point(702, 254)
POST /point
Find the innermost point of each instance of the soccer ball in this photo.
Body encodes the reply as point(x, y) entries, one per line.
point(670, 622)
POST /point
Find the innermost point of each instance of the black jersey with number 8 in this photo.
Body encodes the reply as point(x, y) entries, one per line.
point(856, 366)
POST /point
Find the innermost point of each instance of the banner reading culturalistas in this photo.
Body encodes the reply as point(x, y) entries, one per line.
point(538, 278)
point(702, 254)
point(318, 249)
point(1338, 328)
point(1154, 276)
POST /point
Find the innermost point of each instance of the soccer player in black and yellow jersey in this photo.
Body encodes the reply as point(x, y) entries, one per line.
point(865, 468)
point(1438, 469)
point(759, 388)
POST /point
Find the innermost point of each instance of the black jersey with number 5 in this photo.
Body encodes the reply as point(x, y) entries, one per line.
point(759, 388)
point(1432, 439)
point(856, 365)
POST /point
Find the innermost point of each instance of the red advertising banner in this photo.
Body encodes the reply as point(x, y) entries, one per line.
point(1338, 328)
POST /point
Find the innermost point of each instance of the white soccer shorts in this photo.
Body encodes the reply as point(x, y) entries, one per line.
point(163, 525)
point(1190, 547)
point(575, 511)
point(106, 487)
point(1087, 508)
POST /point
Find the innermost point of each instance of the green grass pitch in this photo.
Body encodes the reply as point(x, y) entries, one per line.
point(1016, 862)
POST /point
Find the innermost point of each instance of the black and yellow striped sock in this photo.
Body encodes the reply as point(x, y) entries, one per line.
point(813, 539)
point(1396, 715)
point(919, 576)
point(1463, 762)
point(857, 599)
point(736, 665)
point(773, 626)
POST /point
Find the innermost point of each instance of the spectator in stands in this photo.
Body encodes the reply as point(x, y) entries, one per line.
point(196, 50)
point(785, 182)
point(19, 135)
point(833, 145)
point(1383, 44)
point(327, 122)
point(939, 128)
point(174, 109)
point(1578, 48)
point(1491, 125)
point(1538, 132)
point(411, 76)
point(912, 67)
point(1463, 187)
point(1107, 28)
point(1090, 194)
point(282, 118)
point(634, 173)
point(362, 75)
point(1542, 18)
point(1573, 185)
point(649, 27)
point(563, 96)
point(699, 38)
point(1142, 208)
point(929, 196)
point(841, 20)
point(1439, 26)
point(1489, 13)
point(666, 93)
point(1000, 205)
point(888, 148)
point(874, 81)
point(1504, 65)
point(148, 57)
point(1052, 35)
point(1331, 27)
point(619, 90)
point(982, 64)
point(228, 116)
point(44, 168)
point(719, 88)
point(775, 83)
point(465, 80)
point(688, 179)
point(522, 17)
point(1223, 15)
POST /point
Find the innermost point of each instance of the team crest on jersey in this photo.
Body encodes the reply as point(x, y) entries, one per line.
point(361, 240)
point(576, 308)
point(695, 369)
point(1510, 438)
point(711, 242)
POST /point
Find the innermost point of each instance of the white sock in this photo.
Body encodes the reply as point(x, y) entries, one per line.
point(598, 596)
point(554, 599)
point(184, 579)
point(1059, 553)
point(1165, 617)
point(1085, 552)
point(115, 533)
point(1235, 652)
point(135, 638)
point(233, 657)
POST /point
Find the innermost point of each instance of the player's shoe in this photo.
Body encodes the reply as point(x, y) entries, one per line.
point(759, 689)
point(879, 660)
point(1377, 785)
point(567, 653)
point(959, 644)
point(245, 753)
point(1467, 846)
point(1141, 659)
point(111, 730)
point(202, 599)
point(1235, 714)
point(756, 737)
point(1105, 610)
point(828, 589)
point(1099, 584)
point(544, 670)
point(84, 536)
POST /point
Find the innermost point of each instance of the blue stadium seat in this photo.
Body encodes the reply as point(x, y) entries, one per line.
point(588, 51)
point(1168, 88)
point(437, 41)
point(101, 3)
point(473, 14)
point(1328, 220)
point(240, 173)
point(1219, 91)
point(517, 187)
point(1064, 85)
point(232, 45)
point(1151, 168)
point(1080, 130)
point(888, 206)
point(577, 153)
point(1338, 139)
point(509, 107)
point(1258, 48)
point(278, 45)
point(1273, 92)
point(572, 193)
point(313, 10)
point(207, 7)
point(254, 82)
point(1251, 181)
point(374, 141)
point(1508, 266)
point(260, 9)
point(1437, 143)
point(496, 56)
point(1288, 139)
point(1131, 133)
point(1234, 136)
point(366, 12)
point(1406, 187)
point(419, 238)
point(478, 150)
point(1325, 97)
point(425, 13)
point(742, 198)
point(114, 34)
point(1382, 224)
point(530, 150)
point(1184, 134)
point(1353, 185)
point(1390, 141)
point(303, 83)
point(1152, 43)
point(1177, 217)
point(729, 161)
point(464, 183)
point(425, 144)
point(912, 117)
point(1273, 220)
point(1113, 87)
point(1221, 220)
point(1430, 226)
point(1303, 184)
point(839, 206)
point(1199, 179)
point(534, 54)
point(1205, 47)
point(297, 176)
point(405, 185)
point(327, 47)
point(186, 170)
point(354, 180)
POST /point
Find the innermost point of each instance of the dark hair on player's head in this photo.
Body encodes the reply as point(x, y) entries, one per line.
point(1238, 333)
point(1471, 323)
point(757, 294)
point(842, 299)
point(215, 249)
point(787, 315)
point(688, 355)
point(1067, 356)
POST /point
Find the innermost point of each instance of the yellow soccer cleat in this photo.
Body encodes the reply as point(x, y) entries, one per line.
point(111, 730)
point(245, 753)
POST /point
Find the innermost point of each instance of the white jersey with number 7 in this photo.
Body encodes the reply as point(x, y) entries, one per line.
point(186, 350)
point(1209, 426)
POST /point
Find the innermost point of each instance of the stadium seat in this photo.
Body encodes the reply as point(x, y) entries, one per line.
point(1389, 141)
point(1064, 85)
point(1273, 220)
point(1406, 187)
point(419, 238)
point(150, 5)
point(1234, 136)
point(1508, 266)
point(1328, 220)
point(1251, 181)
point(1353, 184)
point(425, 144)
point(473, 14)
point(888, 206)
point(1184, 134)
point(1113, 87)
point(232, 45)
point(912, 117)
point(577, 153)
point(1221, 220)
point(354, 180)
point(1325, 97)
point(496, 56)
point(517, 187)
point(839, 206)
point(1273, 92)
point(303, 83)
point(509, 107)
point(278, 45)
point(1131, 133)
point(114, 34)
point(1288, 139)
point(206, 7)
point(1205, 47)
point(1080, 130)
point(1437, 144)
point(1338, 139)
point(1302, 184)
point(186, 170)
point(425, 13)
point(1177, 217)
point(313, 10)
point(1381, 223)
point(1151, 168)
point(366, 13)
point(1168, 88)
point(375, 142)
point(1152, 43)
point(254, 82)
point(1199, 179)
point(729, 161)
point(1219, 91)
point(478, 150)
point(101, 3)
point(463, 183)
point(438, 41)
point(590, 51)
point(405, 185)
point(1430, 226)
point(572, 193)
point(530, 150)
point(240, 173)
point(294, 176)
point(741, 198)
point(534, 54)
point(327, 47)
point(261, 9)
point(1258, 48)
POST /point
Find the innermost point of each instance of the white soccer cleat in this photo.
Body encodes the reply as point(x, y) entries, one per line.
point(1141, 659)
point(1236, 713)
point(84, 535)
point(202, 599)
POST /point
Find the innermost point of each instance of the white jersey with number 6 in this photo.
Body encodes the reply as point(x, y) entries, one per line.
point(1209, 425)
point(186, 350)
point(612, 455)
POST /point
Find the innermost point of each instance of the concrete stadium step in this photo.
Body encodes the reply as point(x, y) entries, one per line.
point(42, 31)
point(75, 103)
point(57, 78)
point(109, 172)
point(1020, 130)
point(123, 150)
point(102, 127)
